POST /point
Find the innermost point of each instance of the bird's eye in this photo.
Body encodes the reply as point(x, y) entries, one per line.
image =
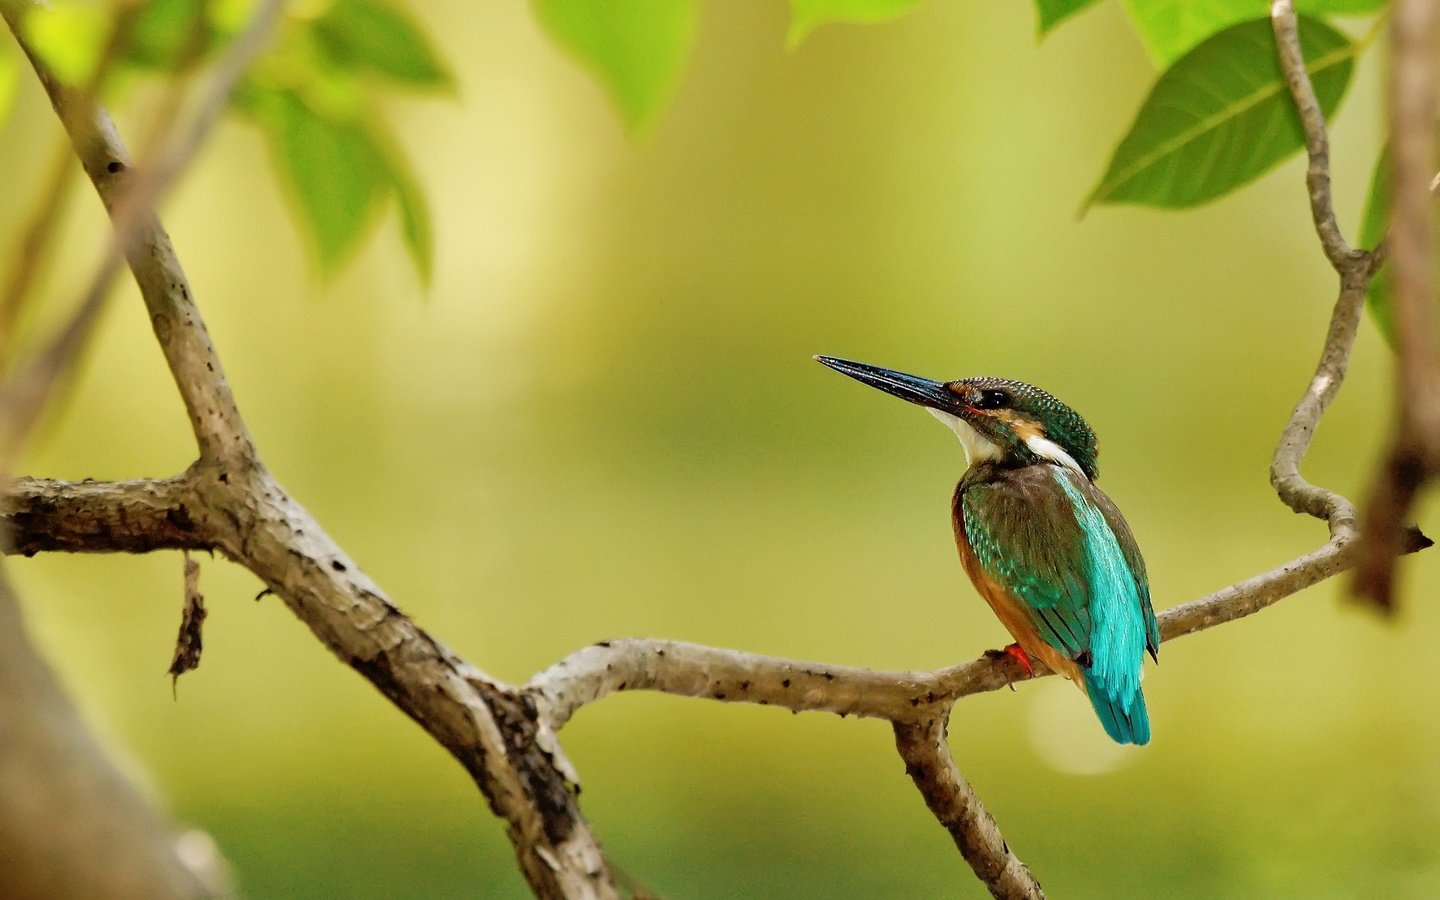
point(992, 399)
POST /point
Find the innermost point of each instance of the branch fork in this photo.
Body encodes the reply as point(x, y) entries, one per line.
point(506, 736)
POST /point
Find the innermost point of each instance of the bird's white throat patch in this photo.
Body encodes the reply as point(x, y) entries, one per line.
point(978, 447)
point(1048, 449)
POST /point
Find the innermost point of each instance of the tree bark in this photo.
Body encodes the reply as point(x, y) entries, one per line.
point(72, 827)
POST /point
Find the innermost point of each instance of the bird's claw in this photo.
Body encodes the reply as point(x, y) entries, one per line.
point(1017, 653)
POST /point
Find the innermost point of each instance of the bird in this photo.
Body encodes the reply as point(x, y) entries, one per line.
point(1043, 545)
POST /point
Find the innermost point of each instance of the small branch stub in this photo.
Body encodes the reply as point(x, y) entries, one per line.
point(188, 643)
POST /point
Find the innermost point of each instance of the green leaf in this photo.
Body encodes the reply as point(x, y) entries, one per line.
point(364, 34)
point(1169, 28)
point(168, 35)
point(807, 15)
point(414, 214)
point(1053, 12)
point(1341, 7)
point(333, 169)
point(68, 38)
point(1380, 298)
point(637, 47)
point(9, 80)
point(1221, 116)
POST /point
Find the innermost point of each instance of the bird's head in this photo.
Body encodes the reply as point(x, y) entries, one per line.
point(1010, 423)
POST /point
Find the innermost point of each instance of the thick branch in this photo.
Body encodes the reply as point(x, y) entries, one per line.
point(71, 824)
point(100, 516)
point(1414, 456)
point(150, 515)
point(956, 805)
point(240, 510)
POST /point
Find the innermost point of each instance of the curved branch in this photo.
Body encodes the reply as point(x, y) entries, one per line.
point(733, 676)
point(1317, 142)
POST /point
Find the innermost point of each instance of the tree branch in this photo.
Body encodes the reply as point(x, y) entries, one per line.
point(241, 511)
point(1317, 142)
point(219, 430)
point(505, 736)
point(1414, 455)
point(955, 804)
point(71, 824)
point(100, 517)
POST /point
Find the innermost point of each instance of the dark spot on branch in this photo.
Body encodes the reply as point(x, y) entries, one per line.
point(224, 478)
point(549, 793)
point(602, 643)
point(179, 517)
point(261, 595)
point(114, 166)
point(744, 685)
point(718, 695)
point(337, 565)
point(785, 683)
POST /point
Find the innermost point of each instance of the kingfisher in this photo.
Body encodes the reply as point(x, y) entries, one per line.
point(1045, 547)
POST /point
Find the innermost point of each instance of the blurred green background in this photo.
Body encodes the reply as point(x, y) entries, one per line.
point(603, 420)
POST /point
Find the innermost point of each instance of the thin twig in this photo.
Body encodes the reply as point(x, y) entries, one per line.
point(220, 432)
point(29, 258)
point(1317, 143)
point(24, 397)
point(46, 220)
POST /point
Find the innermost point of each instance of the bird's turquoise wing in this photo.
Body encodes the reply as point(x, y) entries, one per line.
point(1044, 533)
point(1121, 529)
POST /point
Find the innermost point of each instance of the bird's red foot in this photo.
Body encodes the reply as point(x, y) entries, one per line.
point(1017, 653)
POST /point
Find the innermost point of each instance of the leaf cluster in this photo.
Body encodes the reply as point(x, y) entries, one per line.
point(1218, 116)
point(316, 94)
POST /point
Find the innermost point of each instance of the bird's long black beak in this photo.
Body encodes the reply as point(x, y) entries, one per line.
point(917, 390)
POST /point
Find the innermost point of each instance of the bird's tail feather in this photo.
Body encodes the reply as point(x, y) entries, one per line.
point(1125, 724)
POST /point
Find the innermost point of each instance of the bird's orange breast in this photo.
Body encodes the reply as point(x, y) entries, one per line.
point(1011, 613)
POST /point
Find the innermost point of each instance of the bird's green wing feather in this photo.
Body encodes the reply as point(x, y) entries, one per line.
point(1024, 532)
point(1059, 546)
